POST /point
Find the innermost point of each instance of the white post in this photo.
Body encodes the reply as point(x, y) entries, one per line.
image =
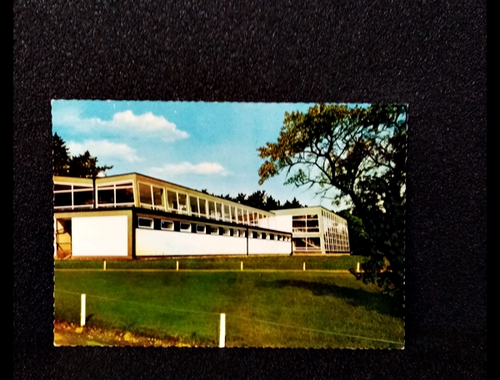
point(241, 266)
point(82, 312)
point(304, 266)
point(177, 265)
point(222, 335)
point(357, 267)
point(104, 265)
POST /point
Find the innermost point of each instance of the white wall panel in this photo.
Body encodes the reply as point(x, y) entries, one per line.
point(165, 243)
point(282, 223)
point(269, 246)
point(99, 236)
point(160, 243)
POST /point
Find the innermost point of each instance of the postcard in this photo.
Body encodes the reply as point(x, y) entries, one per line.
point(202, 224)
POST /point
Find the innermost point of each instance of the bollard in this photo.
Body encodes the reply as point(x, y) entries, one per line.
point(304, 266)
point(222, 335)
point(104, 265)
point(241, 266)
point(177, 265)
point(357, 267)
point(82, 312)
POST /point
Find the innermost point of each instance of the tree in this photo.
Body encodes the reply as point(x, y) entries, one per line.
point(293, 204)
point(361, 152)
point(60, 154)
point(240, 198)
point(83, 165)
point(257, 199)
point(359, 241)
point(272, 204)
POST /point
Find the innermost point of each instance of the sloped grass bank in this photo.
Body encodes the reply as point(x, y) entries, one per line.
point(263, 309)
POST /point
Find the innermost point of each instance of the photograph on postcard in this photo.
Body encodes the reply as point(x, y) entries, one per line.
point(204, 224)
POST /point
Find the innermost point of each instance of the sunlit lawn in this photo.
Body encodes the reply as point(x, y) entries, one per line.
point(263, 308)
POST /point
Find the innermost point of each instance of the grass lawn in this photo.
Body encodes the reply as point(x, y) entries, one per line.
point(263, 309)
point(249, 262)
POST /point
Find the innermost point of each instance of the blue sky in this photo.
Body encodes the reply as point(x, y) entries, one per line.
point(199, 145)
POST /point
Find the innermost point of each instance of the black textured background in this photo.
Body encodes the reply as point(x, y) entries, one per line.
point(429, 54)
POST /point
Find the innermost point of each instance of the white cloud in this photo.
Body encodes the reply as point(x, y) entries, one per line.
point(103, 149)
point(148, 122)
point(125, 122)
point(203, 168)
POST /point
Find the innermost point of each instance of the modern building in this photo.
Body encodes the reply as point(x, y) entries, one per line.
point(132, 216)
point(314, 230)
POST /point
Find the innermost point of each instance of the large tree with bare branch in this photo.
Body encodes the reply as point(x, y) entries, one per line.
point(360, 152)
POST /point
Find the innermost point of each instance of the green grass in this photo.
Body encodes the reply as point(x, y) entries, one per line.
point(263, 309)
point(251, 262)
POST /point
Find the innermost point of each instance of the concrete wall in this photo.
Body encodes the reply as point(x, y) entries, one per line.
point(269, 246)
point(164, 243)
point(160, 243)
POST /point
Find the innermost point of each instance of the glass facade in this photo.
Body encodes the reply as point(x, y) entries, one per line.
point(322, 232)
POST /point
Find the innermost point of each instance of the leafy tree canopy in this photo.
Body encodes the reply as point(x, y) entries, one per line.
point(60, 155)
point(259, 199)
point(360, 152)
point(83, 165)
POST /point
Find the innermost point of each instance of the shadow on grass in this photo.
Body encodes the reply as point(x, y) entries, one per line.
point(354, 297)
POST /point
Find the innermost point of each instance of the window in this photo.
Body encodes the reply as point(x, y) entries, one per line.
point(185, 227)
point(211, 209)
point(172, 201)
point(145, 194)
point(224, 231)
point(116, 194)
point(193, 204)
point(124, 195)
point(253, 218)
point(167, 225)
point(218, 208)
point(305, 223)
point(158, 197)
point(81, 198)
point(227, 213)
point(307, 244)
point(299, 225)
point(105, 196)
point(63, 199)
point(203, 208)
point(182, 202)
point(200, 228)
point(145, 223)
point(73, 196)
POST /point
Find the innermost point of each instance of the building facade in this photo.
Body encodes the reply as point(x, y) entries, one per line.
point(314, 230)
point(132, 215)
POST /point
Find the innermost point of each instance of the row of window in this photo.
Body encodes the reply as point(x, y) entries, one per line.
point(307, 244)
point(305, 223)
point(155, 197)
point(81, 196)
point(169, 225)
